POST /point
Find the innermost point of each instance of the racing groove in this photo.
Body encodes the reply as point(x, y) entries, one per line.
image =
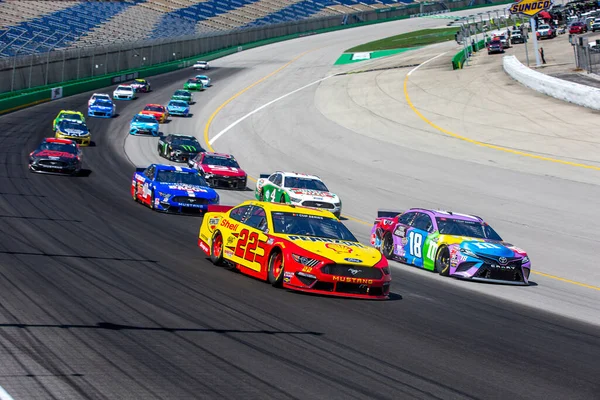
point(102, 298)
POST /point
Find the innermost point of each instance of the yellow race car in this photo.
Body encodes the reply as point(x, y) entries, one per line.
point(74, 130)
point(296, 247)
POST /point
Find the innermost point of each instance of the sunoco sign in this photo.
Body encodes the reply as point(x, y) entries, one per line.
point(530, 7)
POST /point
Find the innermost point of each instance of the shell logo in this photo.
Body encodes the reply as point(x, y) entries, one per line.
point(530, 7)
point(339, 248)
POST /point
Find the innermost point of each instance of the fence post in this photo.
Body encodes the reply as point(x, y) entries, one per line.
point(12, 82)
point(106, 62)
point(119, 61)
point(93, 60)
point(47, 67)
point(152, 54)
point(30, 70)
point(62, 78)
point(78, 59)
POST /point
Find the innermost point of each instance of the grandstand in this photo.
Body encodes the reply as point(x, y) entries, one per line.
point(30, 26)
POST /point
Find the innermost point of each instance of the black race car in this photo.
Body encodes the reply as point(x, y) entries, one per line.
point(56, 156)
point(178, 148)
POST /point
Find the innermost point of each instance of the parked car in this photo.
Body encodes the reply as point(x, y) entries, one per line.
point(578, 27)
point(495, 46)
point(545, 31)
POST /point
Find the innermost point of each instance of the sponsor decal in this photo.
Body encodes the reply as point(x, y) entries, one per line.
point(203, 236)
point(213, 221)
point(400, 231)
point(530, 7)
point(307, 269)
point(56, 93)
point(286, 279)
point(404, 241)
point(387, 222)
point(230, 225)
point(156, 202)
point(203, 246)
point(353, 260)
point(228, 252)
point(339, 248)
point(230, 240)
point(309, 192)
point(354, 271)
point(326, 240)
point(288, 274)
point(348, 279)
point(188, 188)
point(270, 241)
point(373, 239)
point(503, 260)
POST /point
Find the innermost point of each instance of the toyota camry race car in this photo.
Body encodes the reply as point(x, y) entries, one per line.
point(102, 108)
point(170, 188)
point(124, 92)
point(452, 244)
point(178, 107)
point(299, 248)
point(204, 79)
point(157, 111)
point(56, 156)
point(193, 84)
point(76, 131)
point(299, 189)
point(219, 170)
point(67, 115)
point(201, 65)
point(97, 96)
point(178, 148)
point(183, 95)
point(141, 85)
point(142, 124)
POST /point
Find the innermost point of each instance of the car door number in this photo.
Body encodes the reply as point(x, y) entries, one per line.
point(146, 190)
point(415, 243)
point(246, 245)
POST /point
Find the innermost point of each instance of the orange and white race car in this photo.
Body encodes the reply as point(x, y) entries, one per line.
point(296, 247)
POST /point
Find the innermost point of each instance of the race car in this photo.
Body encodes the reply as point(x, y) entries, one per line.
point(204, 79)
point(193, 84)
point(56, 156)
point(178, 107)
point(219, 170)
point(124, 92)
point(76, 131)
point(172, 189)
point(452, 244)
point(157, 111)
point(178, 148)
point(141, 85)
point(299, 189)
point(183, 95)
point(67, 115)
point(144, 124)
point(299, 248)
point(97, 96)
point(201, 65)
point(102, 108)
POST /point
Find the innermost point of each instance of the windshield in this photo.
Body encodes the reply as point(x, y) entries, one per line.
point(310, 225)
point(544, 27)
point(73, 125)
point(181, 177)
point(472, 229)
point(178, 104)
point(201, 77)
point(125, 88)
point(305, 183)
point(65, 148)
point(75, 117)
point(578, 24)
point(103, 103)
point(97, 97)
point(221, 161)
point(145, 118)
point(153, 108)
point(185, 142)
point(182, 93)
point(192, 81)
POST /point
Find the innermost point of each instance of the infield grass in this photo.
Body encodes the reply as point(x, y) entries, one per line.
point(410, 39)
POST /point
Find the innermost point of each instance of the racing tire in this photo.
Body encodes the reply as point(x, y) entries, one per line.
point(276, 268)
point(152, 201)
point(387, 246)
point(261, 196)
point(135, 194)
point(442, 261)
point(216, 249)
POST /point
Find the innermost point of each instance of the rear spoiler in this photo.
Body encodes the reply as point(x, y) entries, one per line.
point(264, 176)
point(388, 213)
point(218, 208)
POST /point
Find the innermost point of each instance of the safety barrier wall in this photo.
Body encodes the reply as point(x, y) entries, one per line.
point(560, 89)
point(458, 61)
point(82, 69)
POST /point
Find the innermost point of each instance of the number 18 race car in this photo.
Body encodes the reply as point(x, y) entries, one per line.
point(299, 248)
point(452, 244)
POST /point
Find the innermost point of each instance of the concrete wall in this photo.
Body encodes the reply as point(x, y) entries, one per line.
point(560, 89)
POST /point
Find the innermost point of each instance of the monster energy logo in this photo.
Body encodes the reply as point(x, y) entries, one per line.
point(189, 148)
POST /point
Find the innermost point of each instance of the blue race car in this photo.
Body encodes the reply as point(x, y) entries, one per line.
point(144, 124)
point(178, 107)
point(102, 108)
point(172, 189)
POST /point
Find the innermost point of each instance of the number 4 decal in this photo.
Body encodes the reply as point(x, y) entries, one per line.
point(415, 241)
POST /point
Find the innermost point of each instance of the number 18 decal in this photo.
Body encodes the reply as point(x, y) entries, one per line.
point(415, 242)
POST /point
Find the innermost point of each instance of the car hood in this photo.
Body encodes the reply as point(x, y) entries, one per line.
point(73, 132)
point(53, 154)
point(141, 123)
point(313, 194)
point(97, 106)
point(222, 170)
point(147, 112)
point(177, 107)
point(338, 251)
point(186, 149)
point(492, 249)
point(179, 189)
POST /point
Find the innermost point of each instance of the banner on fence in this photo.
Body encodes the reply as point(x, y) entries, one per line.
point(56, 93)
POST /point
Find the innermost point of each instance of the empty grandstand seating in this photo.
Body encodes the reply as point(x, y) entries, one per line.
point(36, 26)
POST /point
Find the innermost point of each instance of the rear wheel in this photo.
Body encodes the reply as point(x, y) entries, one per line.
point(276, 268)
point(261, 196)
point(152, 201)
point(216, 251)
point(442, 261)
point(135, 194)
point(387, 246)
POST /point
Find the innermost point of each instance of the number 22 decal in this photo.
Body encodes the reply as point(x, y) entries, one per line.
point(246, 245)
point(415, 241)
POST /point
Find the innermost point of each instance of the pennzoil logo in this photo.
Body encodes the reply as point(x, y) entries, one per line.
point(530, 7)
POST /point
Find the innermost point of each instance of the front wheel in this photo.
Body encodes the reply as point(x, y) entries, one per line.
point(276, 269)
point(442, 261)
point(387, 246)
point(216, 251)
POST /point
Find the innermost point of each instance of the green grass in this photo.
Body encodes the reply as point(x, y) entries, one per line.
point(411, 39)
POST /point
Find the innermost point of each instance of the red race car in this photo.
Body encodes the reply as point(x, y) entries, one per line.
point(578, 27)
point(220, 170)
point(157, 111)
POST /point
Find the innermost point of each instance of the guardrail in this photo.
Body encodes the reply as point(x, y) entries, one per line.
point(459, 58)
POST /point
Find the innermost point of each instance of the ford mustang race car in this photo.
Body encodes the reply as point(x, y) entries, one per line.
point(178, 107)
point(184, 95)
point(178, 148)
point(157, 111)
point(193, 84)
point(56, 156)
point(76, 131)
point(102, 108)
point(201, 65)
point(144, 124)
point(67, 115)
point(452, 244)
point(141, 85)
point(219, 170)
point(204, 79)
point(299, 189)
point(172, 189)
point(295, 247)
point(97, 96)
point(124, 92)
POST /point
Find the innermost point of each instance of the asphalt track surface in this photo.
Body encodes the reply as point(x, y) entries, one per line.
point(101, 298)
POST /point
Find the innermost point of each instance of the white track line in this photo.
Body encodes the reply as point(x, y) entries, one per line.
point(425, 62)
point(218, 135)
point(4, 394)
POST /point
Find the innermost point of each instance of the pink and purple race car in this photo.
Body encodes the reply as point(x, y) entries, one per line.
point(458, 245)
